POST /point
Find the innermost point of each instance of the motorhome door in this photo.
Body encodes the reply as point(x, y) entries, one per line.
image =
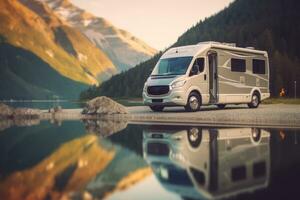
point(213, 77)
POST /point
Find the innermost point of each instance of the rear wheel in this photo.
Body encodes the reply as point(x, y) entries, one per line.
point(194, 137)
point(157, 108)
point(221, 106)
point(193, 103)
point(255, 135)
point(255, 100)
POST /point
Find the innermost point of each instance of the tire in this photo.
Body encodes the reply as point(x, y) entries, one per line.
point(156, 108)
point(194, 137)
point(255, 135)
point(255, 100)
point(194, 102)
point(221, 106)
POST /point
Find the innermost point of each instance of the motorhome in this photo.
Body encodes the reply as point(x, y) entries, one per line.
point(208, 73)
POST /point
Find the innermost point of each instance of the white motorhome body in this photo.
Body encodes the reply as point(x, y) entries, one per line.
point(208, 73)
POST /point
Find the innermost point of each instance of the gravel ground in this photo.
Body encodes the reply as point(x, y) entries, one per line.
point(274, 115)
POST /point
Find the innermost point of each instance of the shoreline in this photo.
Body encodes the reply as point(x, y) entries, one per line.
point(272, 115)
point(279, 116)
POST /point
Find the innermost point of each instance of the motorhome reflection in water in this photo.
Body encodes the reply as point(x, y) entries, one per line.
point(208, 73)
point(208, 163)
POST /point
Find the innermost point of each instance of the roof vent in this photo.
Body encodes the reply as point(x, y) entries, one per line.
point(229, 44)
point(209, 42)
point(222, 43)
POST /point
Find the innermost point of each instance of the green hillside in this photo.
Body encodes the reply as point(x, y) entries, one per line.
point(271, 25)
point(24, 75)
point(41, 56)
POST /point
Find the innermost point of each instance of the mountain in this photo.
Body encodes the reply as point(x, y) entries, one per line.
point(270, 25)
point(41, 56)
point(124, 49)
point(52, 48)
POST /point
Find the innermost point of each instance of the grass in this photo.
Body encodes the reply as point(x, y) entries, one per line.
point(282, 101)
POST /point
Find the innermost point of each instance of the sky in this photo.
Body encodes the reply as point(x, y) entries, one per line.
point(157, 22)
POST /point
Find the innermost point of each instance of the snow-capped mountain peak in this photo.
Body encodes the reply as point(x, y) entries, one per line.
point(124, 49)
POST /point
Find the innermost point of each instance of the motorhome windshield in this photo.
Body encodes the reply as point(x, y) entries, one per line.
point(172, 66)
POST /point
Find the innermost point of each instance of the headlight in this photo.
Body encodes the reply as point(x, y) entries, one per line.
point(178, 84)
point(145, 87)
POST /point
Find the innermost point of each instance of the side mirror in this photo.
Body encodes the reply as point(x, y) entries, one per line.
point(194, 70)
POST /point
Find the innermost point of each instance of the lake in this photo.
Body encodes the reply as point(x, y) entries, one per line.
point(44, 104)
point(116, 160)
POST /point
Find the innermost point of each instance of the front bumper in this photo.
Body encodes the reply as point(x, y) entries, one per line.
point(173, 98)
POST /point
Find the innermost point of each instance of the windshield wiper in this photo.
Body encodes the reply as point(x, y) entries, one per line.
point(167, 74)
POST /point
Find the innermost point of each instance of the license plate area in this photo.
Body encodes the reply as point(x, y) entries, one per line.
point(157, 100)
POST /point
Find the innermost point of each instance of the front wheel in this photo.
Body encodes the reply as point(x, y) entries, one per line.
point(193, 103)
point(157, 108)
point(255, 100)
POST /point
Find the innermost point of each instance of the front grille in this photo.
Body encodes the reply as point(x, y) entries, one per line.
point(158, 149)
point(158, 90)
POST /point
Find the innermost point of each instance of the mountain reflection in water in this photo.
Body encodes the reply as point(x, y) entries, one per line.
point(105, 159)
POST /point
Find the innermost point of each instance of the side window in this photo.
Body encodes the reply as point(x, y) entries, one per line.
point(200, 63)
point(238, 65)
point(258, 66)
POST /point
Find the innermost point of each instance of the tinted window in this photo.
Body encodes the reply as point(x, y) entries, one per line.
point(259, 66)
point(200, 63)
point(238, 173)
point(238, 65)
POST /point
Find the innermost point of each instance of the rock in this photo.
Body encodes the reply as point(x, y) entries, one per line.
point(103, 105)
point(26, 122)
point(18, 116)
point(5, 123)
point(26, 113)
point(5, 111)
point(104, 127)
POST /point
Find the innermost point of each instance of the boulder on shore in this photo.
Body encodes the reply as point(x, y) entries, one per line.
point(26, 113)
point(7, 112)
point(103, 105)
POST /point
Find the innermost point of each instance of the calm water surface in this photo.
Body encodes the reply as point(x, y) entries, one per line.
point(113, 160)
point(45, 104)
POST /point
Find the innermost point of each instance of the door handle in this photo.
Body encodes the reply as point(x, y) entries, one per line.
point(205, 77)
